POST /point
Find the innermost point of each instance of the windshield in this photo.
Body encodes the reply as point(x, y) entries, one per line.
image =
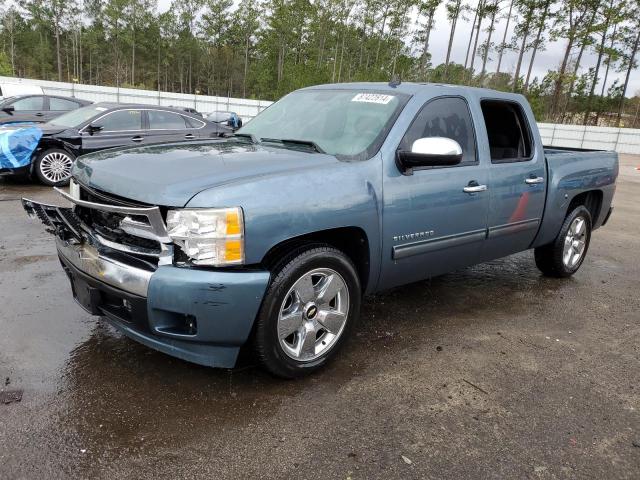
point(77, 117)
point(345, 123)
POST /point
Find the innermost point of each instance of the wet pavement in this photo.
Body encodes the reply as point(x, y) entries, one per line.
point(490, 372)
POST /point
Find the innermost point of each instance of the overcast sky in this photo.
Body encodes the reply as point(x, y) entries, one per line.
point(549, 59)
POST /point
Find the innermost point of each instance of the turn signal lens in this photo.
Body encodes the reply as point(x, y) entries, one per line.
point(233, 223)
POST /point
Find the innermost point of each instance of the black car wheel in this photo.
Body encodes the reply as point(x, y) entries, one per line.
point(308, 312)
point(563, 257)
point(53, 167)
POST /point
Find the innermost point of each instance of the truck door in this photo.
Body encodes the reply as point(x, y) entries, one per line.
point(435, 219)
point(517, 176)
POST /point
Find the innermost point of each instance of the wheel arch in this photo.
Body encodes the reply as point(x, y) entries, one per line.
point(45, 146)
point(351, 240)
point(592, 200)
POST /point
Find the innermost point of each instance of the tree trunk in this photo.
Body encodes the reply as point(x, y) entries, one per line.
point(587, 111)
point(341, 57)
point(475, 43)
point(452, 33)
point(133, 60)
point(485, 54)
point(504, 39)
point(425, 52)
point(536, 43)
point(384, 23)
point(58, 57)
point(632, 59)
point(608, 62)
point(559, 82)
point(523, 45)
point(246, 67)
point(473, 28)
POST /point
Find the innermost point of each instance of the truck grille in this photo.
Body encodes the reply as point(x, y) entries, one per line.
point(123, 227)
point(107, 225)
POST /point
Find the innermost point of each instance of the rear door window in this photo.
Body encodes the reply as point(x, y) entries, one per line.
point(122, 120)
point(28, 103)
point(508, 131)
point(161, 120)
point(62, 104)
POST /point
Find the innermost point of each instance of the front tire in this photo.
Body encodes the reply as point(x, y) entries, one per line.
point(563, 257)
point(53, 167)
point(308, 312)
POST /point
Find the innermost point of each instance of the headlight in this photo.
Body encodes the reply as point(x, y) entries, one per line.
point(208, 236)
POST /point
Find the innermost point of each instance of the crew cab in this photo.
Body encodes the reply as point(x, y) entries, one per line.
point(272, 237)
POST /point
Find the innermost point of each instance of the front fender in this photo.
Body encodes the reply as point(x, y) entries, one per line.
point(283, 206)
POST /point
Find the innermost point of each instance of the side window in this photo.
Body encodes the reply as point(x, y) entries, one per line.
point(445, 117)
point(121, 120)
point(193, 123)
point(28, 103)
point(62, 104)
point(508, 131)
point(161, 120)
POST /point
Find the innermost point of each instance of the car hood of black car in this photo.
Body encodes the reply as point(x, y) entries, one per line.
point(46, 128)
point(171, 174)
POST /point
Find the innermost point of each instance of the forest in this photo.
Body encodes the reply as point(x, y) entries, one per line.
point(264, 49)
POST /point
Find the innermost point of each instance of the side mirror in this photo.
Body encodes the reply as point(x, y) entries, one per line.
point(93, 128)
point(9, 109)
point(430, 152)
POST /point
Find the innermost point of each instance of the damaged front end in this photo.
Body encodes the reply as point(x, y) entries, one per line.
point(120, 263)
point(120, 245)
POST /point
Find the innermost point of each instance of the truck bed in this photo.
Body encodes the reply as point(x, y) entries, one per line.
point(570, 172)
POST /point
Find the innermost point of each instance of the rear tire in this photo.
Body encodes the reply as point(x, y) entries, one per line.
point(308, 312)
point(53, 167)
point(563, 257)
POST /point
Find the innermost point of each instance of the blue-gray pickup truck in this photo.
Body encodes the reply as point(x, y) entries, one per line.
point(270, 238)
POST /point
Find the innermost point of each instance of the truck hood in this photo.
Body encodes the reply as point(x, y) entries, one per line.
point(171, 174)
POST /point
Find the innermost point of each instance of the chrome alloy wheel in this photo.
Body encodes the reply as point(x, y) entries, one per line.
point(574, 242)
point(313, 314)
point(56, 166)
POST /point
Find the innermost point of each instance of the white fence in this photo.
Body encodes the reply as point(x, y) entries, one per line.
point(246, 109)
point(622, 140)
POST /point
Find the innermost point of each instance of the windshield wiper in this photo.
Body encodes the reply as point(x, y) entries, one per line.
point(250, 136)
point(292, 141)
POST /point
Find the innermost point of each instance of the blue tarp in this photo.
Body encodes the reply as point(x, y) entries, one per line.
point(17, 145)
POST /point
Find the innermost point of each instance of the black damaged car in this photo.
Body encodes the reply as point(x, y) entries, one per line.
point(50, 148)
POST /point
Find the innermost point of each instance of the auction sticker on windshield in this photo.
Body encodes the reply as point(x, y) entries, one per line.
point(372, 98)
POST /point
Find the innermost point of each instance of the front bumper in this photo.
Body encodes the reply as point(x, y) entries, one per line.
point(202, 316)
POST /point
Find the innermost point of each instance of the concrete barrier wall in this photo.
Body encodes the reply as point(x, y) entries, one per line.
point(622, 140)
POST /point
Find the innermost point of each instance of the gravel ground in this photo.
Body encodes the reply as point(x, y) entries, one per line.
point(490, 372)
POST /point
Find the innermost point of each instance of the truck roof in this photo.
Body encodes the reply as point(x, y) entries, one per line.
point(412, 88)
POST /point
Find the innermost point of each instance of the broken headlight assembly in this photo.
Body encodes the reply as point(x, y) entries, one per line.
point(213, 237)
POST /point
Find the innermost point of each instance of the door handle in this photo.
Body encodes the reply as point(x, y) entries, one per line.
point(39, 114)
point(137, 138)
point(474, 187)
point(533, 180)
point(189, 136)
